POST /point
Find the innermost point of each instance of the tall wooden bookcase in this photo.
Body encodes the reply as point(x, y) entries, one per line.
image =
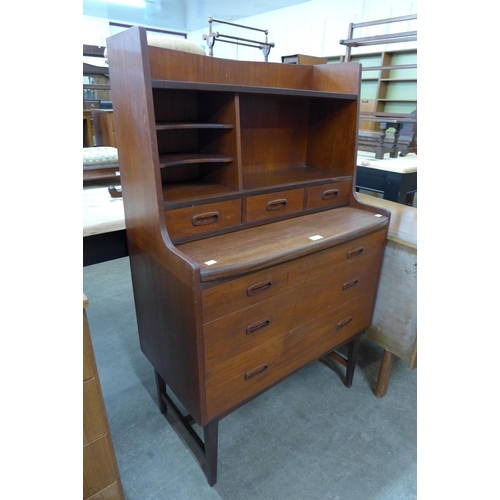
point(250, 253)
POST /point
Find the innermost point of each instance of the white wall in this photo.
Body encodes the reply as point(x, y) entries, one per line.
point(312, 28)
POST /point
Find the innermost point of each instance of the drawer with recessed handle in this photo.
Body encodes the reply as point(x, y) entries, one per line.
point(271, 205)
point(333, 193)
point(199, 219)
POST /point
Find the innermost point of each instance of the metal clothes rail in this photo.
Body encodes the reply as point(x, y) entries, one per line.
point(213, 36)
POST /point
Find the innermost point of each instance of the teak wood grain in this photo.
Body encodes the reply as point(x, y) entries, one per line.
point(296, 253)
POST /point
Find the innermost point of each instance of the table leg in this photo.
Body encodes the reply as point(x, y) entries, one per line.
point(352, 354)
point(395, 147)
point(161, 388)
point(211, 435)
point(379, 151)
point(384, 374)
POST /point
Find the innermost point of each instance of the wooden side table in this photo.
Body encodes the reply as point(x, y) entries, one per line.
point(394, 325)
point(101, 479)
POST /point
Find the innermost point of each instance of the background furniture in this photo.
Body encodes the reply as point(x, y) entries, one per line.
point(212, 36)
point(303, 59)
point(103, 226)
point(104, 128)
point(396, 178)
point(100, 163)
point(250, 254)
point(389, 82)
point(101, 479)
point(88, 140)
point(394, 324)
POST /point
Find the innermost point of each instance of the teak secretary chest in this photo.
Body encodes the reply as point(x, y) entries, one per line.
point(250, 253)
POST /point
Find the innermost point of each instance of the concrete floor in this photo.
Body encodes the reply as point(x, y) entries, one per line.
point(307, 438)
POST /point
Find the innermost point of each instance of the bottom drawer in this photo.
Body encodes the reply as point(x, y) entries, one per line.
point(239, 379)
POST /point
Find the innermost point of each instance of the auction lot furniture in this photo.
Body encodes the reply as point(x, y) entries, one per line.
point(394, 324)
point(396, 178)
point(250, 253)
point(101, 479)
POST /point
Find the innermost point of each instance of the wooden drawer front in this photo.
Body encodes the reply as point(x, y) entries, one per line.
point(249, 328)
point(203, 218)
point(267, 206)
point(238, 294)
point(244, 376)
point(99, 466)
point(95, 423)
point(221, 300)
point(328, 194)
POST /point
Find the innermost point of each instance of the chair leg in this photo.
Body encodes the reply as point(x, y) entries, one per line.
point(384, 374)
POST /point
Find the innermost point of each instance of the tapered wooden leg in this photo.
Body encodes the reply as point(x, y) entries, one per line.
point(352, 354)
point(384, 373)
point(211, 435)
point(161, 388)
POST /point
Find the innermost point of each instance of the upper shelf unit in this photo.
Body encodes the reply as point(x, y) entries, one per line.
point(274, 133)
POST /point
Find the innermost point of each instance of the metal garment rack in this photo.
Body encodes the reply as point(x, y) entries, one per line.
point(212, 36)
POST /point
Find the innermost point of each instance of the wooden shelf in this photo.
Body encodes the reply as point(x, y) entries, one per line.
point(167, 160)
point(187, 126)
point(248, 89)
point(290, 177)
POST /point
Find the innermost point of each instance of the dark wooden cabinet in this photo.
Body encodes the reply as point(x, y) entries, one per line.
point(250, 253)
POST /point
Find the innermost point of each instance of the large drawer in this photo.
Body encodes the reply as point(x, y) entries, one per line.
point(244, 376)
point(235, 295)
point(203, 218)
point(267, 206)
point(333, 193)
point(251, 327)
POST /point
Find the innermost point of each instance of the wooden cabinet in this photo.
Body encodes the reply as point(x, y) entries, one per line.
point(101, 479)
point(250, 254)
point(104, 127)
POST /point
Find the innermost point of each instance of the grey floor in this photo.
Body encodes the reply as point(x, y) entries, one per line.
point(307, 438)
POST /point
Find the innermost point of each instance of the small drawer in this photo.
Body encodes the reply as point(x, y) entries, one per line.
point(201, 219)
point(332, 193)
point(267, 206)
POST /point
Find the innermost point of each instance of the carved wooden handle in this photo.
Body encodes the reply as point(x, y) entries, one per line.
point(349, 284)
point(206, 218)
point(330, 194)
point(255, 371)
point(261, 287)
point(355, 252)
point(276, 204)
point(344, 322)
point(258, 325)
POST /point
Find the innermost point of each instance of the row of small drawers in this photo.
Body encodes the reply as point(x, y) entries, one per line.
point(209, 217)
point(263, 326)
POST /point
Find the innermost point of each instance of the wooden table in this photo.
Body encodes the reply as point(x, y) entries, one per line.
point(394, 325)
point(396, 178)
point(104, 235)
